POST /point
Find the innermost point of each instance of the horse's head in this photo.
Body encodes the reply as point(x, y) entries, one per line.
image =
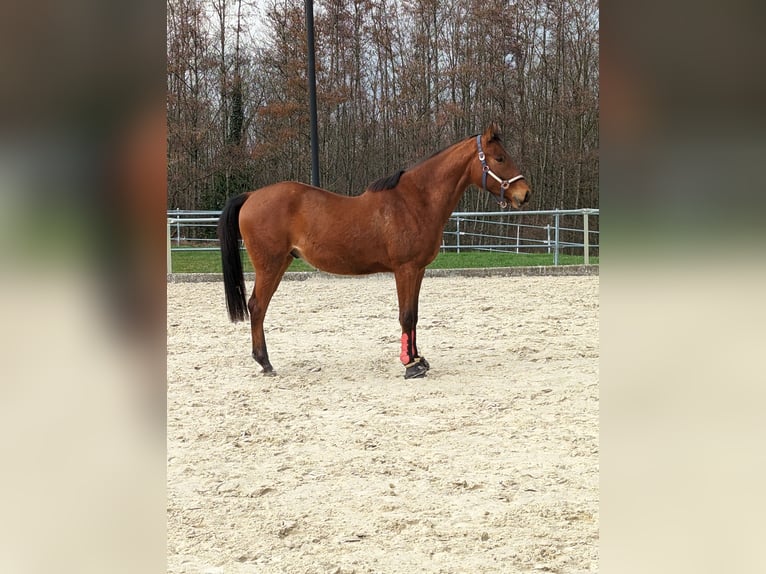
point(499, 174)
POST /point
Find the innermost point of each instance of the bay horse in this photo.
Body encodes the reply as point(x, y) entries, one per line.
point(394, 226)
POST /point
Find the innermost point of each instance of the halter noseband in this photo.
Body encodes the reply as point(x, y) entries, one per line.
point(504, 183)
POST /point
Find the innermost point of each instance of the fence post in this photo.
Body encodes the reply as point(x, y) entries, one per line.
point(556, 239)
point(517, 238)
point(548, 234)
point(169, 260)
point(458, 234)
point(178, 228)
point(586, 249)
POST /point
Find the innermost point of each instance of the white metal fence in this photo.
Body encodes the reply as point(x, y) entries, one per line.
point(550, 231)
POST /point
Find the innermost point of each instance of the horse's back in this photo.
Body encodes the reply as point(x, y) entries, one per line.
point(290, 196)
point(294, 200)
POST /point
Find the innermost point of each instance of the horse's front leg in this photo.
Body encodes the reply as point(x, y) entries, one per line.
point(408, 281)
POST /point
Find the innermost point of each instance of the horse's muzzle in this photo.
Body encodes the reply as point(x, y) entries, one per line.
point(520, 195)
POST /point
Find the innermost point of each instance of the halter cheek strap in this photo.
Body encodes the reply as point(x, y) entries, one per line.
point(504, 183)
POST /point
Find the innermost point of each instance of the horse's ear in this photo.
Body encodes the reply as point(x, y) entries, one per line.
point(492, 132)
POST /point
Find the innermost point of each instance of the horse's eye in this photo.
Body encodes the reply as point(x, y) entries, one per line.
point(499, 159)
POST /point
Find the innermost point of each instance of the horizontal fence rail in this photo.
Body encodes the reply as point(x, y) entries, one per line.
point(552, 231)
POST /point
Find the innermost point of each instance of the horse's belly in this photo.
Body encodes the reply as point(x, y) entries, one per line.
point(341, 261)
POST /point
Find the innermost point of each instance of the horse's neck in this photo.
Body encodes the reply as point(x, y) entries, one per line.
point(445, 177)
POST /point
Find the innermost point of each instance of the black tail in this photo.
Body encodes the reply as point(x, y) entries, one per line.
point(233, 278)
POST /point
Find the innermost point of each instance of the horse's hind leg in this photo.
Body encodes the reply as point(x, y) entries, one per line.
point(267, 280)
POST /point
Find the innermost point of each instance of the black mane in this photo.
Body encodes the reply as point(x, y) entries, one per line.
point(391, 181)
point(388, 182)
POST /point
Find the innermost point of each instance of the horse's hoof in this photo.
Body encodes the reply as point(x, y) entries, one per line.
point(269, 373)
point(416, 370)
point(424, 363)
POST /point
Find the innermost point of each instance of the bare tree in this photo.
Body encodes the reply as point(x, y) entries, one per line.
point(398, 79)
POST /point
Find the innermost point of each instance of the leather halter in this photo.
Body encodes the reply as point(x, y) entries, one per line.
point(504, 183)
